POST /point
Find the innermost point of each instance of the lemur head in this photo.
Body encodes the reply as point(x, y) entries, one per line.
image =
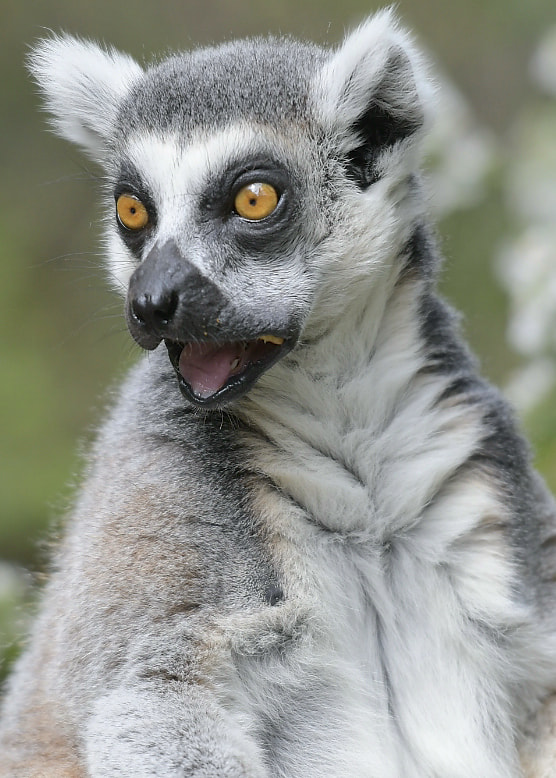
point(249, 186)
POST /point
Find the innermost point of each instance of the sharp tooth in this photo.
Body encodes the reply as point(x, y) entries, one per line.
point(234, 364)
point(271, 339)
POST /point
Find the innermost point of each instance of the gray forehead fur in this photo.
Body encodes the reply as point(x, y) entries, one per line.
point(266, 79)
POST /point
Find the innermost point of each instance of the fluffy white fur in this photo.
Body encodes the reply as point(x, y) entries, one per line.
point(91, 80)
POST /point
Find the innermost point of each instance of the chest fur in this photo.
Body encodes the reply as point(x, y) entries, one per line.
point(393, 542)
point(395, 630)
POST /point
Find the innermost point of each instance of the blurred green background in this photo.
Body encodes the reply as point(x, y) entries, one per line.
point(62, 336)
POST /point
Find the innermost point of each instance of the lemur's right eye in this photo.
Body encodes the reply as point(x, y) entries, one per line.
point(132, 214)
point(256, 201)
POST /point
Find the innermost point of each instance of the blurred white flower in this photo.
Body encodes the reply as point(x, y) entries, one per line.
point(527, 270)
point(14, 582)
point(527, 264)
point(531, 180)
point(531, 384)
point(15, 586)
point(460, 153)
point(543, 63)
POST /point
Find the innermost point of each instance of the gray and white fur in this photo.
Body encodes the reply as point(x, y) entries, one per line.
point(342, 564)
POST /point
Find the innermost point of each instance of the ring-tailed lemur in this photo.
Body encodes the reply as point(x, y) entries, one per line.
point(309, 541)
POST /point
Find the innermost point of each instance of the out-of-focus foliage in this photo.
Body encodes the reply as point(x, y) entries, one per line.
point(527, 259)
point(15, 588)
point(492, 160)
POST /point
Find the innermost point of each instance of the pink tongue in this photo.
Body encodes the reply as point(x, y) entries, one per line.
point(207, 366)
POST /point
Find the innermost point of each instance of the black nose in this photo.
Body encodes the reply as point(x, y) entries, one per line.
point(169, 298)
point(155, 310)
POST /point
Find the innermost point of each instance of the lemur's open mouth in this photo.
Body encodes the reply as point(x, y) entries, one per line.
point(212, 373)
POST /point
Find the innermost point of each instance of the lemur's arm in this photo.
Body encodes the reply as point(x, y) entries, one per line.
point(152, 731)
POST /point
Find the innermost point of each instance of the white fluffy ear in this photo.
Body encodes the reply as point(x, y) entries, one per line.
point(373, 93)
point(83, 85)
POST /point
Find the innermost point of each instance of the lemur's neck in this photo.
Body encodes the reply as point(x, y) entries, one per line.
point(343, 415)
point(351, 375)
point(355, 361)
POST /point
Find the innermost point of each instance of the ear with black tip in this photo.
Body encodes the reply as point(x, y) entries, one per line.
point(83, 86)
point(372, 95)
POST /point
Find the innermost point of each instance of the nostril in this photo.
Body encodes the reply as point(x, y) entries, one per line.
point(155, 311)
point(138, 308)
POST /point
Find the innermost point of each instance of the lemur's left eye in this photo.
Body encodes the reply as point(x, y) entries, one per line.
point(132, 214)
point(256, 201)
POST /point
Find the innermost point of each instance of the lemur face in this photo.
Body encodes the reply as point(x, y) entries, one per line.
point(216, 216)
point(219, 231)
point(251, 187)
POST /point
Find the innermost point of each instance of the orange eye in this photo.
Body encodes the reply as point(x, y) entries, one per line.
point(131, 212)
point(256, 201)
